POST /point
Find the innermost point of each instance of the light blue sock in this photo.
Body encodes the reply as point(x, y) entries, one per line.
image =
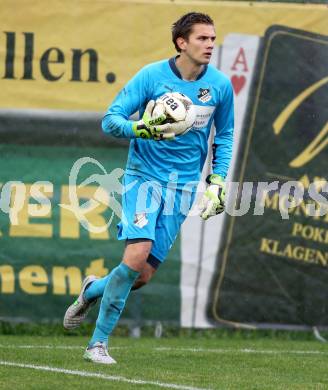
point(96, 288)
point(113, 301)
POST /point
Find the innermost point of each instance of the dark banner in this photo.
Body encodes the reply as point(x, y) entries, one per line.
point(273, 268)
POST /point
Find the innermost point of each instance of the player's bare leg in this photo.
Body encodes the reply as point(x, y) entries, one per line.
point(136, 254)
point(146, 274)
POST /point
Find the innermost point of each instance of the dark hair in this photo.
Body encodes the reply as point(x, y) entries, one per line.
point(183, 26)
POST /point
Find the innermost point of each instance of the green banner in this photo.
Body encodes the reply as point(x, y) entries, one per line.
point(45, 256)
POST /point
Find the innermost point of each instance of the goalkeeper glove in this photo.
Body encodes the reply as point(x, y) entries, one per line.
point(145, 128)
point(212, 202)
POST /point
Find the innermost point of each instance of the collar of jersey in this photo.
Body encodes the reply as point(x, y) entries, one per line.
point(175, 70)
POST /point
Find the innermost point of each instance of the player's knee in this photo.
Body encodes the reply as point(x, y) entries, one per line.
point(139, 251)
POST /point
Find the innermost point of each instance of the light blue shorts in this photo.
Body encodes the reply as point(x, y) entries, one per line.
point(153, 212)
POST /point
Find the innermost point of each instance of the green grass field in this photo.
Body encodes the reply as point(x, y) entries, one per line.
point(31, 362)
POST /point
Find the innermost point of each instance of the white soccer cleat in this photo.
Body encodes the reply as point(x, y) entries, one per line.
point(77, 312)
point(98, 354)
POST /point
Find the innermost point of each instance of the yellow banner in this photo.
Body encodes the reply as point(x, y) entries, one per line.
point(78, 55)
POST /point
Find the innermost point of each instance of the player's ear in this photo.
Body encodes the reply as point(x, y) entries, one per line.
point(181, 42)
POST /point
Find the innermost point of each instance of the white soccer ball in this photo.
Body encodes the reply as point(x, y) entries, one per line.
point(178, 108)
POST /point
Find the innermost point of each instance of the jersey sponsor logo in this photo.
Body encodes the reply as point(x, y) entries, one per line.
point(204, 95)
point(203, 115)
point(140, 220)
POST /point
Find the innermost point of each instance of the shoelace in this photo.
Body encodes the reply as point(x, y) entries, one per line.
point(102, 351)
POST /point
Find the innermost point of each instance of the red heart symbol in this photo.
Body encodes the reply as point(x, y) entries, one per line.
point(238, 83)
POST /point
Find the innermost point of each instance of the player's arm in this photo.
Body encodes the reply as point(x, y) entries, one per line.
point(224, 125)
point(213, 199)
point(133, 97)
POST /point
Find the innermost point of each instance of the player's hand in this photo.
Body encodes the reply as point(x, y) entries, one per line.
point(212, 202)
point(145, 128)
point(172, 129)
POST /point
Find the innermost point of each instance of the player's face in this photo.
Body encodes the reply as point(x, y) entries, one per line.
point(200, 44)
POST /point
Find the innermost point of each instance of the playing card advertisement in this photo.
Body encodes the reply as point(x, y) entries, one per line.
point(273, 258)
point(238, 57)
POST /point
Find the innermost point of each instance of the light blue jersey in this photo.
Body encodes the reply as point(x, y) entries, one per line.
point(182, 159)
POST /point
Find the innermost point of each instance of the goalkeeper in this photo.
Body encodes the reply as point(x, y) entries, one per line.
point(162, 164)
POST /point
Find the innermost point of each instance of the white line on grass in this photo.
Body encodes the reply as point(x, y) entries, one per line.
point(100, 376)
point(8, 346)
point(174, 349)
point(243, 350)
point(13, 346)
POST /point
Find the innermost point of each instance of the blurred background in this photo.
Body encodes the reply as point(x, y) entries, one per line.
point(60, 68)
